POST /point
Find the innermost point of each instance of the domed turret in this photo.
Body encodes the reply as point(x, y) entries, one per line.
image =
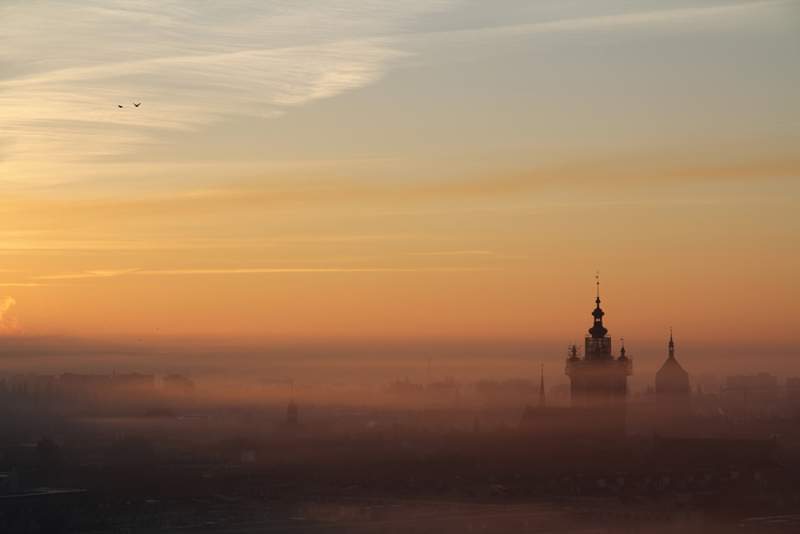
point(622, 356)
point(573, 354)
point(598, 330)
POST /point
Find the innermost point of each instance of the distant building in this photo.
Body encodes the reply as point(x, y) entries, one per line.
point(84, 385)
point(753, 396)
point(45, 383)
point(673, 392)
point(178, 385)
point(134, 382)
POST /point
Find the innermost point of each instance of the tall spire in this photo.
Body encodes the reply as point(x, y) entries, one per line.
point(671, 345)
point(598, 330)
point(541, 390)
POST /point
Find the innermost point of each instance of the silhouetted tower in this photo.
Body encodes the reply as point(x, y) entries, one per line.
point(598, 381)
point(542, 399)
point(673, 391)
point(671, 345)
point(291, 412)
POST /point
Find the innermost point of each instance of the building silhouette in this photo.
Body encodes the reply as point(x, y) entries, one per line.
point(133, 382)
point(599, 381)
point(598, 391)
point(673, 392)
point(752, 396)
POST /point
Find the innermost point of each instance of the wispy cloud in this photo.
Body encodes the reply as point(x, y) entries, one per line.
point(23, 284)
point(617, 172)
point(27, 242)
point(451, 253)
point(122, 272)
point(67, 108)
point(71, 65)
point(99, 273)
point(679, 19)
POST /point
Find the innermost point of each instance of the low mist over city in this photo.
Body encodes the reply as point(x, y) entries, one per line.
point(400, 267)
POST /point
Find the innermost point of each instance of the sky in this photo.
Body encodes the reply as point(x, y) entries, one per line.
point(375, 170)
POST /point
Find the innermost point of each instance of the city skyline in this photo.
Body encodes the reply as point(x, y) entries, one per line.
point(355, 266)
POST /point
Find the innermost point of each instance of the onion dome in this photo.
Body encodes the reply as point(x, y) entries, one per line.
point(573, 353)
point(598, 330)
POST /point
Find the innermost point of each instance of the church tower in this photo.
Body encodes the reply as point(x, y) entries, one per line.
point(598, 380)
point(673, 392)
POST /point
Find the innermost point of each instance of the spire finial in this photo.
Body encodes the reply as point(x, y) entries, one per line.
point(597, 277)
point(671, 344)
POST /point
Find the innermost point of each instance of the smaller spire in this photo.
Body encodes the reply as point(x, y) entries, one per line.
point(542, 400)
point(671, 344)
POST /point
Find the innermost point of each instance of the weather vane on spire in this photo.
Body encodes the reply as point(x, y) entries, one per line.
point(597, 277)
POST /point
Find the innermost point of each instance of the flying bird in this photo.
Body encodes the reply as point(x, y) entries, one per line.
point(137, 105)
point(120, 106)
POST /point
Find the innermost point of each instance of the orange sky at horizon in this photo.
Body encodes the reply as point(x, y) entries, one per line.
point(523, 270)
